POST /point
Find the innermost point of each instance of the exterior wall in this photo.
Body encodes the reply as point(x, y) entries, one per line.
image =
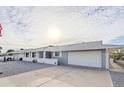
point(103, 59)
point(107, 58)
point(18, 56)
point(1, 59)
point(14, 57)
point(42, 60)
point(63, 60)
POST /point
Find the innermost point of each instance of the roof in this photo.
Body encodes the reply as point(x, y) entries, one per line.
point(112, 46)
point(75, 47)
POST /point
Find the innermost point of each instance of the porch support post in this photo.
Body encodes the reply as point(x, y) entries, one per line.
point(44, 54)
point(30, 54)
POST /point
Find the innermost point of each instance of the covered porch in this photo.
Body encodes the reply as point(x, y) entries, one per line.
point(45, 57)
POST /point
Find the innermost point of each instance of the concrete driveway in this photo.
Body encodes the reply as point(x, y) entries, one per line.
point(60, 76)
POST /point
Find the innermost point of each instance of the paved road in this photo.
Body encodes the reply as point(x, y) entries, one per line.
point(117, 78)
point(12, 68)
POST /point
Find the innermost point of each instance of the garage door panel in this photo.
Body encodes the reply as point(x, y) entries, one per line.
point(87, 58)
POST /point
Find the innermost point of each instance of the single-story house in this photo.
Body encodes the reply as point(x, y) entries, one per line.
point(91, 54)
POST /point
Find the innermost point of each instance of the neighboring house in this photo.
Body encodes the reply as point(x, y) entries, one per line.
point(10, 56)
point(91, 54)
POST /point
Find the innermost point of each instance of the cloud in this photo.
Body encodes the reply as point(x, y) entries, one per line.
point(27, 27)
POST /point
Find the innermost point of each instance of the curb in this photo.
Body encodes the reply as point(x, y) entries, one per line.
point(110, 78)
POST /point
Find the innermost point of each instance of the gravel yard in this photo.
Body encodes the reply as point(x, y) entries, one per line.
point(117, 73)
point(117, 78)
point(15, 67)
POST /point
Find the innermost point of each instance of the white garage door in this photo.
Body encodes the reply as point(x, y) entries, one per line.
point(86, 58)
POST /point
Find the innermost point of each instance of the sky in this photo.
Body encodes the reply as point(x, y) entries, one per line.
point(34, 27)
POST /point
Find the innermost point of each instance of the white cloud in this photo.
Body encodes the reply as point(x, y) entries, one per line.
point(25, 27)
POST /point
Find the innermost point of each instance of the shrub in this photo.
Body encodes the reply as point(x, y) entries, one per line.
point(34, 61)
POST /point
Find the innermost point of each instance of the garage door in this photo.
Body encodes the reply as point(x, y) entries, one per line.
point(85, 58)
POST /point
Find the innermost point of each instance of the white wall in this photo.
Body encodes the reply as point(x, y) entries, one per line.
point(85, 58)
point(1, 59)
point(16, 56)
point(42, 60)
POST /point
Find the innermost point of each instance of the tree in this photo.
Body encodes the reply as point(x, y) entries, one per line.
point(0, 49)
point(10, 50)
point(116, 53)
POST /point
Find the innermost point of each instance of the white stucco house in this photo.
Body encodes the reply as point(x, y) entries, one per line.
point(91, 54)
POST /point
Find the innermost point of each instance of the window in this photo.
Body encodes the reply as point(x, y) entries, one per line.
point(27, 54)
point(33, 54)
point(41, 54)
point(57, 54)
point(48, 54)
